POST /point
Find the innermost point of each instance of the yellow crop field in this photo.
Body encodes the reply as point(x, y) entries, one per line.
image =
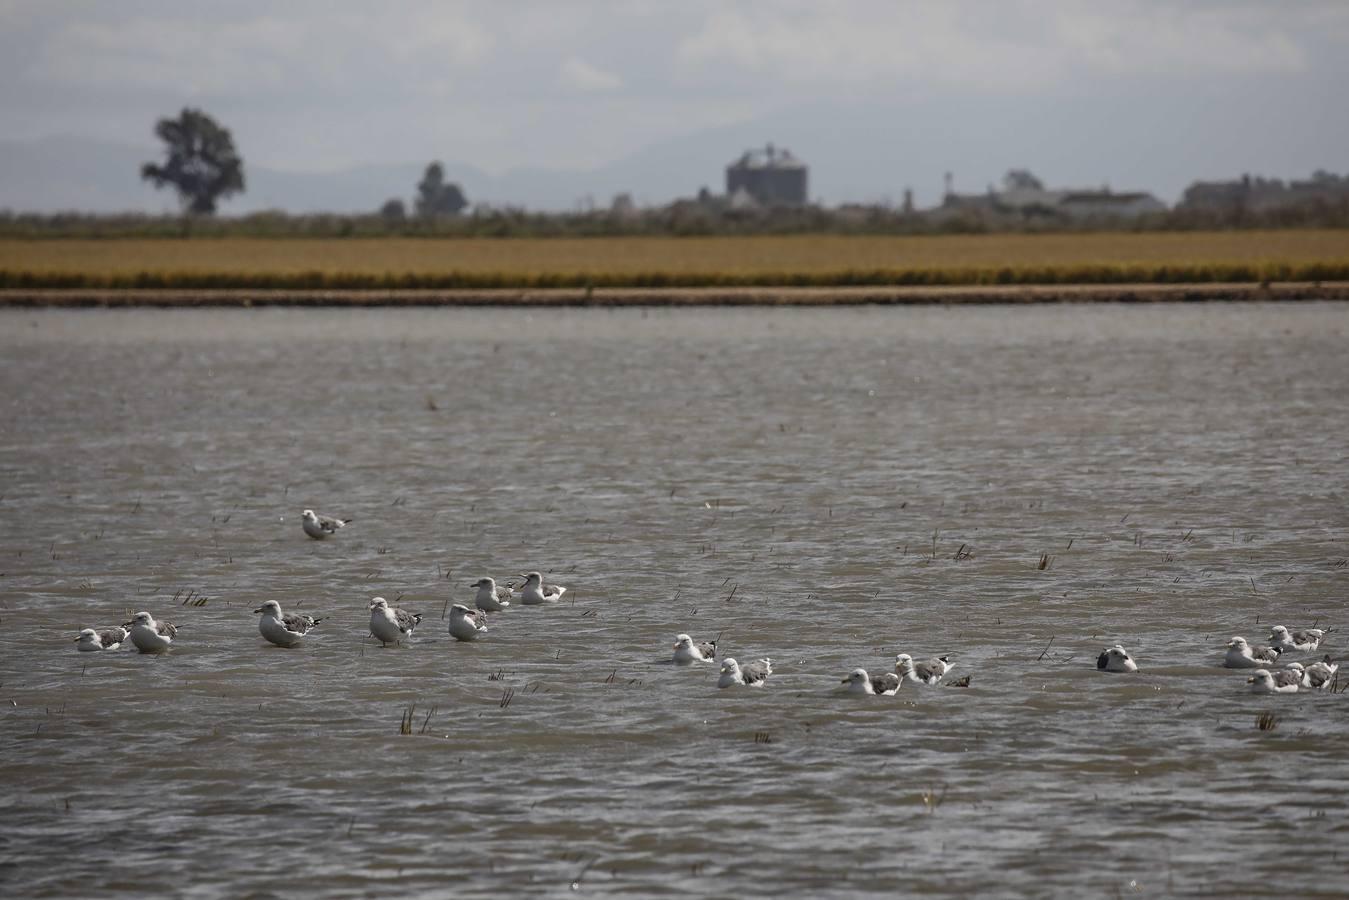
point(795, 259)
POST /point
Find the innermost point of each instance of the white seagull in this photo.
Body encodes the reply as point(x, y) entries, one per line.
point(319, 527)
point(148, 635)
point(1318, 676)
point(491, 598)
point(1240, 655)
point(861, 684)
point(466, 624)
point(283, 629)
point(929, 671)
point(389, 624)
point(753, 674)
point(1263, 682)
point(686, 652)
point(1116, 659)
point(535, 591)
point(107, 639)
point(1304, 641)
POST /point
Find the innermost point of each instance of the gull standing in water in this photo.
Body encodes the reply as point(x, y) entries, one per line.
point(491, 598)
point(929, 671)
point(319, 527)
point(107, 639)
point(283, 629)
point(535, 591)
point(466, 624)
point(753, 674)
point(1240, 655)
point(389, 624)
point(148, 635)
point(1116, 659)
point(1303, 641)
point(686, 651)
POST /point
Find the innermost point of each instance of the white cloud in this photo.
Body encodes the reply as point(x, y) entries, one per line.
point(262, 52)
point(580, 75)
point(1008, 47)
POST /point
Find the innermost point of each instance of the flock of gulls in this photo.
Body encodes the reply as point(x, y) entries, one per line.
point(392, 625)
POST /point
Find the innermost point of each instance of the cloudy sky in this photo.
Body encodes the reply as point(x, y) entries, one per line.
point(874, 95)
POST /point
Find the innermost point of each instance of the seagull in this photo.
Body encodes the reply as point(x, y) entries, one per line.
point(859, 682)
point(1116, 659)
point(929, 671)
point(389, 624)
point(491, 598)
point(466, 624)
point(1293, 674)
point(283, 629)
point(1305, 641)
point(319, 527)
point(1262, 682)
point(685, 651)
point(1318, 676)
point(107, 639)
point(535, 591)
point(1241, 656)
point(148, 635)
point(753, 674)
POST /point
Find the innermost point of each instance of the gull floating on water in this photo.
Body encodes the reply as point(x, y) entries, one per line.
point(319, 527)
point(466, 624)
point(148, 635)
point(1116, 659)
point(1317, 676)
point(862, 684)
point(1304, 641)
point(107, 639)
point(389, 624)
point(686, 651)
point(1240, 655)
point(1262, 681)
point(929, 671)
point(535, 591)
point(753, 674)
point(283, 629)
point(491, 598)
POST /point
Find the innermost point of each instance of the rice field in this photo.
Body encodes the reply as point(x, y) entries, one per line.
point(1152, 257)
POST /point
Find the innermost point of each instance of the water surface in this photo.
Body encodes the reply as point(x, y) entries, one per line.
point(823, 487)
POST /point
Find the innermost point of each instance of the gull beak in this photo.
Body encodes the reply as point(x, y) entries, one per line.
point(259, 609)
point(77, 640)
point(1251, 680)
point(845, 681)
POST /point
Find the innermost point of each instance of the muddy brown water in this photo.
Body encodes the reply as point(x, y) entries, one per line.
point(823, 487)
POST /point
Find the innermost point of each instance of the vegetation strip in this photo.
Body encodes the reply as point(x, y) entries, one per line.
point(1225, 273)
point(719, 296)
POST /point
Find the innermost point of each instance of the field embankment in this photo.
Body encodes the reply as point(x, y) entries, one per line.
point(804, 261)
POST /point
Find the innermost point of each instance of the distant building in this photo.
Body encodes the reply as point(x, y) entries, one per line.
point(1025, 196)
point(771, 177)
point(1261, 194)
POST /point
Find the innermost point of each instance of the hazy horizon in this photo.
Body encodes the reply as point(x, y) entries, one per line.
point(655, 98)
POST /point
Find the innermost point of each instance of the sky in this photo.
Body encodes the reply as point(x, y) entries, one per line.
point(875, 96)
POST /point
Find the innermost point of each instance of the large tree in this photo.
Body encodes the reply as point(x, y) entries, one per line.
point(436, 197)
point(199, 161)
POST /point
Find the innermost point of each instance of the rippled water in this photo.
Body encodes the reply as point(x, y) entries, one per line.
point(799, 482)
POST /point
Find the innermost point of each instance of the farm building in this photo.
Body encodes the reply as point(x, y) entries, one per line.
point(772, 177)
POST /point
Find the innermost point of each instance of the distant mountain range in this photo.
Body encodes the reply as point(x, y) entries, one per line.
point(73, 173)
point(856, 153)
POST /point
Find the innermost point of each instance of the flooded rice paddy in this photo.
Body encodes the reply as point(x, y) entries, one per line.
point(1016, 487)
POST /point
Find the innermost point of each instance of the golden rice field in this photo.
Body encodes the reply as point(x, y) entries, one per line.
point(1153, 257)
